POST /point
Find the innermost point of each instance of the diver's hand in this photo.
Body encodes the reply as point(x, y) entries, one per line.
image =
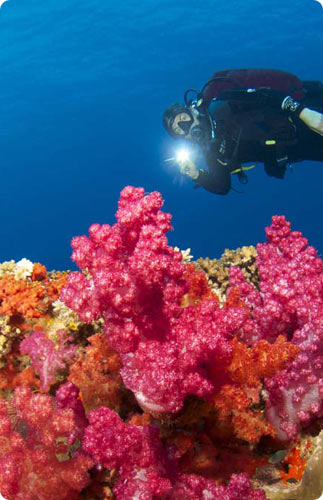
point(187, 167)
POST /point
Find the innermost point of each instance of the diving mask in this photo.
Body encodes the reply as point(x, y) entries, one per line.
point(185, 125)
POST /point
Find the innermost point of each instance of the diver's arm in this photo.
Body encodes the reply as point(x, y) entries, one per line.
point(217, 180)
point(265, 96)
point(313, 119)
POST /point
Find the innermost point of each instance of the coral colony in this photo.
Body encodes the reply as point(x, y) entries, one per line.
point(149, 377)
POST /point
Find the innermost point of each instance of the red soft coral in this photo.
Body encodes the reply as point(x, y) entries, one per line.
point(35, 448)
point(149, 470)
point(136, 451)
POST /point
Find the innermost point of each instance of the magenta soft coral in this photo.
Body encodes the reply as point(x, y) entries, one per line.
point(137, 282)
point(148, 469)
point(34, 447)
point(291, 284)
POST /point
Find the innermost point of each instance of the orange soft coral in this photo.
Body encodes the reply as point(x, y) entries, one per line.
point(140, 419)
point(22, 297)
point(233, 298)
point(30, 297)
point(39, 272)
point(199, 288)
point(97, 375)
point(239, 403)
point(53, 285)
point(10, 377)
point(296, 466)
point(250, 366)
point(234, 405)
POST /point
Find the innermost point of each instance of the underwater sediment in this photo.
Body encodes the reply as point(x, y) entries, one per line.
point(149, 376)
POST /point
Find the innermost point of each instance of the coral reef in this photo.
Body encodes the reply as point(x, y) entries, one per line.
point(148, 376)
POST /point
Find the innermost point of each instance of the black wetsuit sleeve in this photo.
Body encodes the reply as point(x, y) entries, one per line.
point(217, 180)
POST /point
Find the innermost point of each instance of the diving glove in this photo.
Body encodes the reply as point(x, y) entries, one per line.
point(292, 106)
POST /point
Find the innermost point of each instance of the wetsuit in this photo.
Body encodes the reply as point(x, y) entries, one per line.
point(251, 133)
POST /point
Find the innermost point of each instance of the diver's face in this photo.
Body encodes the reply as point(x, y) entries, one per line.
point(183, 123)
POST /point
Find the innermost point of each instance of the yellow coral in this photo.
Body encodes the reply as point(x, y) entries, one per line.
point(217, 270)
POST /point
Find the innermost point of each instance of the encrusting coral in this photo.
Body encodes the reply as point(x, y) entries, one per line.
point(217, 270)
point(149, 377)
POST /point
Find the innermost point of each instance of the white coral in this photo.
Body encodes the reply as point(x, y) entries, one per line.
point(186, 254)
point(23, 269)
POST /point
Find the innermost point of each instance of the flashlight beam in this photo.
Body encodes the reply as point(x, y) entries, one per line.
point(183, 155)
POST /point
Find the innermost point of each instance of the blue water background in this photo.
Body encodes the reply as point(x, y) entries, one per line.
point(83, 85)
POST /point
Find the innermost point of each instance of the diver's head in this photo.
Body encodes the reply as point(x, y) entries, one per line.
point(183, 122)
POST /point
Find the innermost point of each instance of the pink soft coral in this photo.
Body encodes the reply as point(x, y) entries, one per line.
point(291, 284)
point(168, 351)
point(137, 282)
point(296, 394)
point(191, 359)
point(48, 358)
point(192, 487)
point(132, 268)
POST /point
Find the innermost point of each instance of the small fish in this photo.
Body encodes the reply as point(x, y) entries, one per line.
point(1, 3)
point(319, 1)
point(277, 457)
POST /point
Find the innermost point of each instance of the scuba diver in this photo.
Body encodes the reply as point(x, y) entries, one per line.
point(248, 115)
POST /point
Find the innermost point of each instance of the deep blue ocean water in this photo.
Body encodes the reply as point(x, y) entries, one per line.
point(83, 85)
